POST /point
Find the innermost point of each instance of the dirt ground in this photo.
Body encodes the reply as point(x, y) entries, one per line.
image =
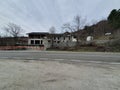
point(54, 75)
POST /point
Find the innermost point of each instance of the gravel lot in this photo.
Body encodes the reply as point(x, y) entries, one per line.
point(56, 75)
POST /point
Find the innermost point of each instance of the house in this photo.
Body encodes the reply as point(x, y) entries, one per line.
point(47, 40)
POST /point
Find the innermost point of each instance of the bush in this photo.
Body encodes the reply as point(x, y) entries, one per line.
point(114, 45)
point(100, 49)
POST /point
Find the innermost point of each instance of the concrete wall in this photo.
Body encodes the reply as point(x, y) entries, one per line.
point(55, 41)
point(64, 44)
point(22, 48)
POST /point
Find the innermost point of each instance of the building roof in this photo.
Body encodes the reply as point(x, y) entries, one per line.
point(50, 34)
point(38, 33)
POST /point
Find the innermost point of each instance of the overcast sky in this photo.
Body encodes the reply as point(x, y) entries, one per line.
point(40, 15)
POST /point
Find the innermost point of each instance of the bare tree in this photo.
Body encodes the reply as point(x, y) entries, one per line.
point(13, 30)
point(68, 27)
point(75, 27)
point(52, 31)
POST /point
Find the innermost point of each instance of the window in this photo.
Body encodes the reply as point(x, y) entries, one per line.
point(69, 37)
point(41, 42)
point(49, 41)
point(64, 38)
point(75, 37)
point(37, 42)
point(32, 42)
point(58, 41)
point(54, 38)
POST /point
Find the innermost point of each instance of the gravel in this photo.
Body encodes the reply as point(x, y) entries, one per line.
point(55, 75)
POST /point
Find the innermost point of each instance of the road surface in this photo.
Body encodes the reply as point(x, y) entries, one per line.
point(59, 55)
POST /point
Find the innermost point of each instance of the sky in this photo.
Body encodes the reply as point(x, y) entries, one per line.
point(40, 15)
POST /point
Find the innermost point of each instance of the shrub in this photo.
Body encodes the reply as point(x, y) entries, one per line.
point(114, 45)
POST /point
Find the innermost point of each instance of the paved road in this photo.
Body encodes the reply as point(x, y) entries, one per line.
point(53, 55)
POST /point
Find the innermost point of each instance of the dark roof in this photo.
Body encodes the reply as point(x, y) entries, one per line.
point(56, 34)
point(49, 34)
point(38, 33)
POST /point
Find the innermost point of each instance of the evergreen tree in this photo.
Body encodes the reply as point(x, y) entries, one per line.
point(114, 18)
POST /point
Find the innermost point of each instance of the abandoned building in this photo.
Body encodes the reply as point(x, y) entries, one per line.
point(51, 40)
point(39, 41)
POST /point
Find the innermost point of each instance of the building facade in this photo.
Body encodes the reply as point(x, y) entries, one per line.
point(48, 40)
